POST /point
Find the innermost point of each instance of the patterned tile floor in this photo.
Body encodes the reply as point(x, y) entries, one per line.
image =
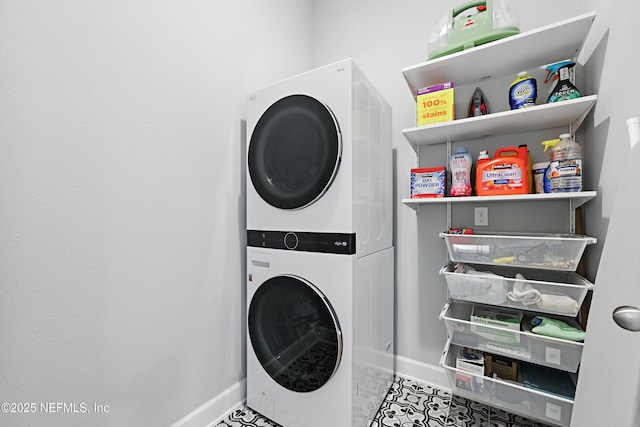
point(411, 403)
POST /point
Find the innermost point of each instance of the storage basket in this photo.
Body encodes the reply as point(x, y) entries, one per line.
point(540, 251)
point(543, 291)
point(542, 350)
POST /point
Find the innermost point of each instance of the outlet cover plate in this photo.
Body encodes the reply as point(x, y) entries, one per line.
point(481, 216)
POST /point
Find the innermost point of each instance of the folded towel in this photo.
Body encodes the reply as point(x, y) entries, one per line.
point(556, 329)
point(477, 286)
point(558, 303)
point(523, 292)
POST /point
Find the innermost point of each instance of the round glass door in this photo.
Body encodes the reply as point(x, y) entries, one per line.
point(294, 152)
point(295, 333)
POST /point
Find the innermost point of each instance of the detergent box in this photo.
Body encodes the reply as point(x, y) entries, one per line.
point(496, 325)
point(435, 104)
point(428, 182)
point(501, 367)
point(472, 361)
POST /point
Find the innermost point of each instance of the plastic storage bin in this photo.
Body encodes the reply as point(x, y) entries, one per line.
point(511, 396)
point(540, 251)
point(543, 291)
point(529, 347)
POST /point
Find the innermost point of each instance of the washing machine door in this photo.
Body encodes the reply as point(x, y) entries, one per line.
point(294, 152)
point(295, 333)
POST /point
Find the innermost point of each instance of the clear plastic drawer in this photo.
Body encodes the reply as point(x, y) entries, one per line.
point(527, 346)
point(544, 291)
point(509, 395)
point(541, 251)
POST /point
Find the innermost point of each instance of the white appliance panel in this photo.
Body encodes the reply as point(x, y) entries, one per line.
point(360, 291)
point(359, 199)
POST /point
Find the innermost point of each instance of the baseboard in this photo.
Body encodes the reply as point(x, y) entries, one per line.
point(213, 411)
point(424, 372)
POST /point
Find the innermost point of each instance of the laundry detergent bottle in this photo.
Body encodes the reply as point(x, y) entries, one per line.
point(523, 91)
point(460, 164)
point(506, 173)
point(483, 158)
point(565, 168)
point(524, 153)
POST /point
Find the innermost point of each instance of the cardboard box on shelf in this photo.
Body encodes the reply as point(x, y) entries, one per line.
point(502, 367)
point(435, 104)
point(472, 361)
point(500, 324)
point(428, 182)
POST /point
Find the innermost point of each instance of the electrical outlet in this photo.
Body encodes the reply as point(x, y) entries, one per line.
point(481, 216)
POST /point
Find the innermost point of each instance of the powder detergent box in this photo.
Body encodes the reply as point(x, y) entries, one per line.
point(428, 182)
point(435, 104)
point(470, 360)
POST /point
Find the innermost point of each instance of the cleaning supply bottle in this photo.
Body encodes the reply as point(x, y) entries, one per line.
point(523, 91)
point(564, 88)
point(546, 180)
point(538, 172)
point(483, 157)
point(552, 75)
point(460, 166)
point(505, 174)
point(524, 149)
point(565, 168)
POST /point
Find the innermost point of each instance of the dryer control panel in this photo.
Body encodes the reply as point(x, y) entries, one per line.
point(333, 243)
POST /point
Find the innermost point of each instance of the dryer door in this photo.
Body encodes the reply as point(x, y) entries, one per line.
point(295, 333)
point(294, 152)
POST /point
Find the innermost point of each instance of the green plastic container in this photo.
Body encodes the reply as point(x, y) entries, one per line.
point(472, 24)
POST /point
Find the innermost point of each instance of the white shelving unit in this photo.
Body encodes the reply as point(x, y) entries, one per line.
point(545, 45)
point(568, 113)
point(578, 198)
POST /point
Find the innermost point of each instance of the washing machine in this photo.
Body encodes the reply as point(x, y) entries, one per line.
point(319, 157)
point(320, 339)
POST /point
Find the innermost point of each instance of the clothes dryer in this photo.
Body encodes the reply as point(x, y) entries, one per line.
point(319, 157)
point(320, 341)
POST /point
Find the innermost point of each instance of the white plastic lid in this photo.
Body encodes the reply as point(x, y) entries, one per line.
point(565, 136)
point(541, 165)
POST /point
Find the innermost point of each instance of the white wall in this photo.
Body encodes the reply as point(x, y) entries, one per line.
point(383, 38)
point(121, 199)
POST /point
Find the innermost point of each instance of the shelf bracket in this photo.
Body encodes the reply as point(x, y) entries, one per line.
point(575, 125)
point(417, 148)
point(572, 216)
point(446, 162)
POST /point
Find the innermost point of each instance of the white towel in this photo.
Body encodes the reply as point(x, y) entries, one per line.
point(524, 292)
point(478, 286)
point(558, 303)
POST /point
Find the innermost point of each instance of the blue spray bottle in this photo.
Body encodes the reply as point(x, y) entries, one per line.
point(546, 180)
point(564, 88)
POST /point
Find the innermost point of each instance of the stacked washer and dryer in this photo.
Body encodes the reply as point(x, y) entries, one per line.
point(320, 257)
